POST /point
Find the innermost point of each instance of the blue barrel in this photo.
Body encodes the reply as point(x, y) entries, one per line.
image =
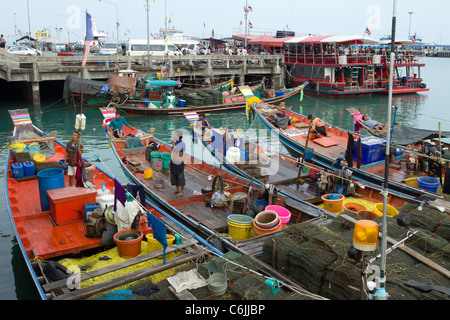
point(17, 170)
point(428, 183)
point(29, 169)
point(49, 179)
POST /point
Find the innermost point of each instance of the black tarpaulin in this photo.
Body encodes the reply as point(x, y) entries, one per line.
point(404, 135)
point(76, 85)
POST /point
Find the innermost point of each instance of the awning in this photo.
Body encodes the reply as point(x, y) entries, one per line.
point(404, 135)
point(397, 42)
point(349, 40)
point(266, 40)
point(163, 83)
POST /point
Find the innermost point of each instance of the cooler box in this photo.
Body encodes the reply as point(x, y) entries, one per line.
point(373, 150)
point(67, 204)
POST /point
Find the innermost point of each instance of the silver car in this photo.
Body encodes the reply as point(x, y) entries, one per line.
point(24, 50)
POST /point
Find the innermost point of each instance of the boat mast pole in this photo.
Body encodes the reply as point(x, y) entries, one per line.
point(381, 293)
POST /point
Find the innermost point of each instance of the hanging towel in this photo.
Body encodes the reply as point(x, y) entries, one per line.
point(81, 171)
point(159, 232)
point(135, 190)
point(119, 194)
point(358, 162)
point(350, 150)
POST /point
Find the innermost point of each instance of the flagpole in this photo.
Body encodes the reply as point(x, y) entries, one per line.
point(246, 24)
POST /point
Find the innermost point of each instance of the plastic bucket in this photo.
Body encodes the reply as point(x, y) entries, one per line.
point(106, 201)
point(267, 219)
point(378, 210)
point(217, 283)
point(157, 164)
point(165, 156)
point(154, 155)
point(355, 207)
point(261, 231)
point(153, 244)
point(49, 179)
point(239, 226)
point(128, 248)
point(283, 213)
point(428, 183)
point(331, 205)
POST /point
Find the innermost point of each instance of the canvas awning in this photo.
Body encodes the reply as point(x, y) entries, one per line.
point(266, 40)
point(163, 83)
point(78, 85)
point(349, 40)
point(404, 135)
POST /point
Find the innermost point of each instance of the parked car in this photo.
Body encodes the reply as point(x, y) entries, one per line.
point(24, 50)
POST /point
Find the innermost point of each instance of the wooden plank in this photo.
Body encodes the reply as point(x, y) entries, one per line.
point(325, 142)
point(410, 251)
point(183, 295)
point(88, 275)
point(131, 277)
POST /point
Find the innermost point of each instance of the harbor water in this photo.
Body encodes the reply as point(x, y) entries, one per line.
point(424, 110)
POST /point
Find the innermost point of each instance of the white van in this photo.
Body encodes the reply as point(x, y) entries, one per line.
point(156, 48)
point(109, 48)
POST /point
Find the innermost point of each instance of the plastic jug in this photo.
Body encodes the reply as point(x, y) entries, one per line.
point(29, 169)
point(17, 170)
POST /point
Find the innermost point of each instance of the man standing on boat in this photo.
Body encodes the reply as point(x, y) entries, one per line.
point(176, 164)
point(116, 125)
point(71, 156)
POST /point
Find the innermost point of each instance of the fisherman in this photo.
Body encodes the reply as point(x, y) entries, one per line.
point(176, 164)
point(71, 156)
point(202, 123)
point(317, 125)
point(116, 125)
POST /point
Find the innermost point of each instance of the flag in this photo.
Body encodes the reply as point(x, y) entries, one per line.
point(414, 38)
point(368, 31)
point(245, 10)
point(287, 27)
point(204, 24)
point(241, 23)
point(165, 38)
point(250, 25)
point(250, 9)
point(88, 39)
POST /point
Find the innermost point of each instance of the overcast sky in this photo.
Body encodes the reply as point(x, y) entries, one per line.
point(430, 19)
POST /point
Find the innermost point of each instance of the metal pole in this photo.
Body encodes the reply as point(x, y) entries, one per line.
point(409, 30)
point(381, 293)
point(246, 24)
point(29, 24)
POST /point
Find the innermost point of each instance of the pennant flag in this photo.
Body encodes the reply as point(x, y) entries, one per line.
point(245, 10)
point(165, 38)
point(414, 38)
point(241, 23)
point(88, 39)
point(250, 25)
point(250, 9)
point(368, 31)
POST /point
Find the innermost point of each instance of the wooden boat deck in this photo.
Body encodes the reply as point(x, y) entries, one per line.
point(37, 229)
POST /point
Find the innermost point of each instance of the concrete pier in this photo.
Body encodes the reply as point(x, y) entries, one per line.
point(33, 70)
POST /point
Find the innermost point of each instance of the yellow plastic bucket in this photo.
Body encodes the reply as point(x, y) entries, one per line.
point(412, 182)
point(378, 210)
point(335, 206)
point(153, 244)
point(38, 158)
point(239, 226)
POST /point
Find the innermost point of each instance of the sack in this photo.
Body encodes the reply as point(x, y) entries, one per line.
point(218, 198)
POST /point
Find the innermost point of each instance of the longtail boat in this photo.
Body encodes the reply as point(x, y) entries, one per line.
point(329, 151)
point(49, 217)
point(170, 105)
point(299, 181)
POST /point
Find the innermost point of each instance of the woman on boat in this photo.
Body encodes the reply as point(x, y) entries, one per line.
point(176, 164)
point(317, 125)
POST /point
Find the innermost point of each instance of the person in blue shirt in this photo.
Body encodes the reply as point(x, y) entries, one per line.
point(373, 124)
point(202, 122)
point(176, 164)
point(116, 125)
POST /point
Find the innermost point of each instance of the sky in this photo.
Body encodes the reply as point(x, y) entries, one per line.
point(429, 20)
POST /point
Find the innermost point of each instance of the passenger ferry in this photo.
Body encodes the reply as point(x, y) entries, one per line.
point(343, 65)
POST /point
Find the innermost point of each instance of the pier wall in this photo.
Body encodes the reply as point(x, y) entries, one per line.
point(32, 70)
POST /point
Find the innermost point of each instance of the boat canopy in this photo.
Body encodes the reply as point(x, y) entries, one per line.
point(163, 83)
point(397, 42)
point(266, 40)
point(338, 39)
point(77, 85)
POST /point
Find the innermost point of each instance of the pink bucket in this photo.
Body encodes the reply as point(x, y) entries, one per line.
point(283, 213)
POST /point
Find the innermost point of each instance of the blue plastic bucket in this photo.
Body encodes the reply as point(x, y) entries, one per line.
point(49, 179)
point(428, 183)
point(181, 103)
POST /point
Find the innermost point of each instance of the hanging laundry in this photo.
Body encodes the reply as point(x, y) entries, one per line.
point(135, 190)
point(159, 232)
point(119, 194)
point(350, 150)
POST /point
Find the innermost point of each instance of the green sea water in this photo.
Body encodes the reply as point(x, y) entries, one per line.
point(424, 110)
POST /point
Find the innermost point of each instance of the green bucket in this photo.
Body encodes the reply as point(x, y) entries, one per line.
point(154, 155)
point(165, 156)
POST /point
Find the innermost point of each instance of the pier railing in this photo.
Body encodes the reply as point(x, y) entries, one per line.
point(41, 68)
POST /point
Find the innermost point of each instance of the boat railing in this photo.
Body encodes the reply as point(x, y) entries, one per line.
point(345, 59)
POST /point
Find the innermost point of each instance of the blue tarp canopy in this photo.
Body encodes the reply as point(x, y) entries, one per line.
point(163, 83)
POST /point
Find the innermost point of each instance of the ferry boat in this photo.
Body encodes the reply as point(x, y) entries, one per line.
point(345, 65)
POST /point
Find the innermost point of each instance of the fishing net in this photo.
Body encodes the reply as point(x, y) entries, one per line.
point(315, 256)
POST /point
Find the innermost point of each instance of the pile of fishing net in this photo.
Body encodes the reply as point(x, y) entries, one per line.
point(315, 255)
